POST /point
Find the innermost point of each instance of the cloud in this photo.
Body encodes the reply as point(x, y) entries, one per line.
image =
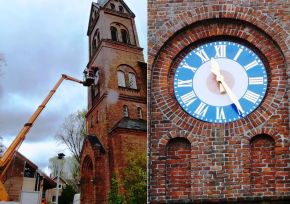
point(45, 128)
point(140, 10)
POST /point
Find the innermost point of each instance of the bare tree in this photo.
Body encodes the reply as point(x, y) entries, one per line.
point(72, 133)
point(53, 166)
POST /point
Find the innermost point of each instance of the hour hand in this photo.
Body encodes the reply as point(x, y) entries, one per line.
point(216, 70)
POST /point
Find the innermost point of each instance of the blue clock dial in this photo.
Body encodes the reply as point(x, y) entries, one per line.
point(220, 82)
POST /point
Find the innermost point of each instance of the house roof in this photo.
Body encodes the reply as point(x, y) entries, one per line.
point(28, 162)
point(48, 182)
point(133, 124)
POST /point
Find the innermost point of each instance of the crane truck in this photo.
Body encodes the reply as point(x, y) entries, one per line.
point(6, 159)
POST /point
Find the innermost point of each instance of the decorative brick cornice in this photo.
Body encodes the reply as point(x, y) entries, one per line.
point(269, 25)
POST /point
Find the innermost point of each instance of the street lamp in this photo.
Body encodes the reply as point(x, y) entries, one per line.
point(59, 157)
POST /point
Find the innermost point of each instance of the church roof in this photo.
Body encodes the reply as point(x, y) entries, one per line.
point(95, 142)
point(96, 4)
point(102, 2)
point(133, 124)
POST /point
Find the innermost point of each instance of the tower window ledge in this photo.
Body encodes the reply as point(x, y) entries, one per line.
point(123, 43)
point(118, 13)
point(129, 89)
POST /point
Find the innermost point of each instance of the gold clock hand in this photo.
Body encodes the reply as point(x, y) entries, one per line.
point(231, 94)
point(215, 68)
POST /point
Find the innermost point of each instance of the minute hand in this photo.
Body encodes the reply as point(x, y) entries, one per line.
point(231, 94)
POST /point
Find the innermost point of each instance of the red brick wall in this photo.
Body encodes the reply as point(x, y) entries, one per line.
point(222, 168)
point(14, 178)
point(124, 143)
point(178, 169)
point(263, 166)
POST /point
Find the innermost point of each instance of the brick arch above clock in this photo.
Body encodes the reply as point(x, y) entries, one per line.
point(246, 14)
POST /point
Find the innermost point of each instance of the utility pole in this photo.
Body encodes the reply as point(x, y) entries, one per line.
point(60, 157)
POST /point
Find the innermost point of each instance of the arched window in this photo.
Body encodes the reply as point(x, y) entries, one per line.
point(121, 79)
point(96, 40)
point(92, 122)
point(121, 9)
point(87, 178)
point(125, 111)
point(98, 36)
point(87, 165)
point(262, 164)
point(94, 44)
point(132, 81)
point(114, 33)
point(178, 168)
point(112, 6)
point(125, 36)
point(139, 113)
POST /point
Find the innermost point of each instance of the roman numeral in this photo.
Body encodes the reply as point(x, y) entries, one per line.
point(220, 50)
point(220, 114)
point(238, 54)
point(188, 98)
point(251, 96)
point(203, 56)
point(251, 65)
point(186, 83)
point(256, 80)
point(186, 66)
point(201, 109)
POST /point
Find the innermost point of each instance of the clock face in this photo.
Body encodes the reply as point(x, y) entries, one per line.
point(220, 82)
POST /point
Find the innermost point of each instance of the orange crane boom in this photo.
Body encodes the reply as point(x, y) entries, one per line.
point(7, 156)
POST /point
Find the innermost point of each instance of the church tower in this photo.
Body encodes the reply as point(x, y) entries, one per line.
point(116, 118)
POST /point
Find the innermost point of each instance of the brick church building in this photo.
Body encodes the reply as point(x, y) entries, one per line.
point(212, 145)
point(117, 105)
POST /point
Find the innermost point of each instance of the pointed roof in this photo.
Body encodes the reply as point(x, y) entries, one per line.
point(102, 4)
point(95, 142)
point(124, 4)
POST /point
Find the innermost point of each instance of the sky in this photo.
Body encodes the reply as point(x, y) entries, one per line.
point(40, 40)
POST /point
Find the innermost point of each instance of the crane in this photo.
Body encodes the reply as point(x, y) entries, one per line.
point(6, 159)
